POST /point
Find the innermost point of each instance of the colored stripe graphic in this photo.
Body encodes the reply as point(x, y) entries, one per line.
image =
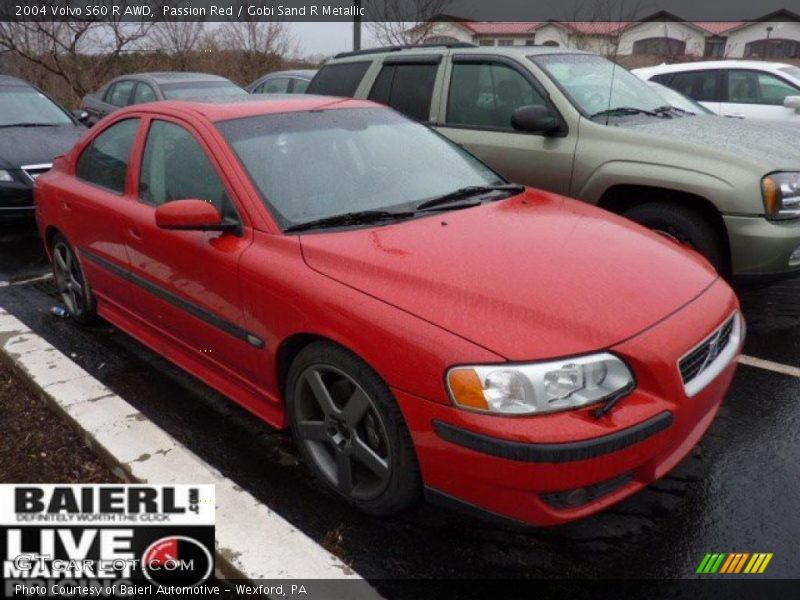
point(734, 563)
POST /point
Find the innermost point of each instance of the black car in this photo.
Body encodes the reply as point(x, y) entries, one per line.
point(33, 131)
point(138, 88)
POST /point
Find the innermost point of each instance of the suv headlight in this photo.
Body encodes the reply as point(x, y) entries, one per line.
point(538, 388)
point(5, 177)
point(781, 193)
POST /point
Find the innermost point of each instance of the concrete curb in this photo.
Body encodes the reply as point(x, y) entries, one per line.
point(253, 542)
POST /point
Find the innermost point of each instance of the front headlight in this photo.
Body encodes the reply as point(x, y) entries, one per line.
point(5, 177)
point(538, 388)
point(781, 193)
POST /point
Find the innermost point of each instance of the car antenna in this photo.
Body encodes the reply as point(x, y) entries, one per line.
point(614, 68)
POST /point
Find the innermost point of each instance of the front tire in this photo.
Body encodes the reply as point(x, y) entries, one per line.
point(73, 287)
point(350, 431)
point(683, 225)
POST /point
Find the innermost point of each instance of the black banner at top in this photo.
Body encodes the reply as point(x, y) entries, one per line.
point(410, 11)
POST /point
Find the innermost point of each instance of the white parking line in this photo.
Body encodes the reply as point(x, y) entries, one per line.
point(44, 277)
point(752, 361)
point(253, 542)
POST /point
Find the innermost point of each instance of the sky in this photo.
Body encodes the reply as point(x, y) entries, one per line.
point(328, 38)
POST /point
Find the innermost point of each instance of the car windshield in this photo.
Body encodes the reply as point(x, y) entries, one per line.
point(678, 100)
point(21, 105)
point(320, 164)
point(793, 72)
point(595, 84)
point(176, 91)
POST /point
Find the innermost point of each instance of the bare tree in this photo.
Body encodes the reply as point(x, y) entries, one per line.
point(178, 38)
point(79, 54)
point(404, 22)
point(263, 45)
point(598, 33)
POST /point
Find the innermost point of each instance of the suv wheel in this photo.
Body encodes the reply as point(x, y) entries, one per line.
point(682, 225)
point(350, 431)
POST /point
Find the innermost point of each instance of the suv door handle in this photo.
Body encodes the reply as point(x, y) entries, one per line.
point(135, 233)
point(67, 205)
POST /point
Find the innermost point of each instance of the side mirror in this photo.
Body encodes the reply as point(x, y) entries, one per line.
point(534, 119)
point(81, 115)
point(191, 215)
point(792, 102)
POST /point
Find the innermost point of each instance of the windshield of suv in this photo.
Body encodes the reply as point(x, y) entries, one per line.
point(595, 84)
point(319, 164)
point(21, 105)
point(678, 100)
point(176, 91)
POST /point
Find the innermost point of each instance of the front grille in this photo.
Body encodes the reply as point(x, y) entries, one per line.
point(33, 171)
point(698, 360)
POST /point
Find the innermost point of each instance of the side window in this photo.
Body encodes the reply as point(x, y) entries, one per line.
point(743, 87)
point(105, 161)
point(299, 86)
point(144, 93)
point(175, 167)
point(120, 93)
point(485, 95)
point(278, 85)
point(338, 80)
point(699, 85)
point(407, 88)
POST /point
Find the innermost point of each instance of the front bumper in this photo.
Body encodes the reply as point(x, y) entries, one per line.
point(526, 468)
point(760, 249)
point(16, 200)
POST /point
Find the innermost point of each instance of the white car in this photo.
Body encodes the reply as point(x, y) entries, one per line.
point(735, 88)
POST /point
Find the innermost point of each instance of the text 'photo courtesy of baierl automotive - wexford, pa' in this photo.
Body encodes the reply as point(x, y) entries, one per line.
point(399, 299)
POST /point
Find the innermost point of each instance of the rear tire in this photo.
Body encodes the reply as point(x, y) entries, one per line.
point(350, 431)
point(73, 287)
point(684, 226)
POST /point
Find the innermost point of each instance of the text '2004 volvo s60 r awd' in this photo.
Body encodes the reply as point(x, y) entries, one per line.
point(418, 322)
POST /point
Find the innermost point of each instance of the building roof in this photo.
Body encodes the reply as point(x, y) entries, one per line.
point(590, 27)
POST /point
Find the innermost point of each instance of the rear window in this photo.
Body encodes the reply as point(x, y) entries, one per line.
point(407, 88)
point(199, 89)
point(338, 80)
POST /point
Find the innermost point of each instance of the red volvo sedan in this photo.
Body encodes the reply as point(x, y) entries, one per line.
point(420, 324)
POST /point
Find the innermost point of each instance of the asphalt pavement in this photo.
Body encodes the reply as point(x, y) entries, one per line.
point(737, 492)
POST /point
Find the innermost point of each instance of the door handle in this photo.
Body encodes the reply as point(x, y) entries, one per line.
point(135, 233)
point(67, 205)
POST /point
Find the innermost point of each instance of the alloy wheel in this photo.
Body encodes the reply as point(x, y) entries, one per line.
point(69, 279)
point(342, 431)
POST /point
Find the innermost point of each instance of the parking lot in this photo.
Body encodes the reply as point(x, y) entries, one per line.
point(736, 493)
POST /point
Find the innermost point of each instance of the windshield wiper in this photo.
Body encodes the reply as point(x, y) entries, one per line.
point(669, 108)
point(30, 125)
point(468, 192)
point(362, 217)
point(624, 110)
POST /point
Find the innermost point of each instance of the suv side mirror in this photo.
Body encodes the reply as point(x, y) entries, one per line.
point(792, 102)
point(534, 119)
point(81, 115)
point(192, 215)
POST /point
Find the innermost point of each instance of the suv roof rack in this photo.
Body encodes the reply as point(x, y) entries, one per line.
point(382, 49)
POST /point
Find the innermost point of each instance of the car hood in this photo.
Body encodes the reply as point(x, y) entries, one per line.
point(36, 145)
point(769, 143)
point(530, 277)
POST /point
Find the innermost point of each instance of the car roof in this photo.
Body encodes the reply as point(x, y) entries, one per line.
point(9, 80)
point(159, 77)
point(223, 108)
point(291, 73)
point(515, 51)
point(758, 65)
